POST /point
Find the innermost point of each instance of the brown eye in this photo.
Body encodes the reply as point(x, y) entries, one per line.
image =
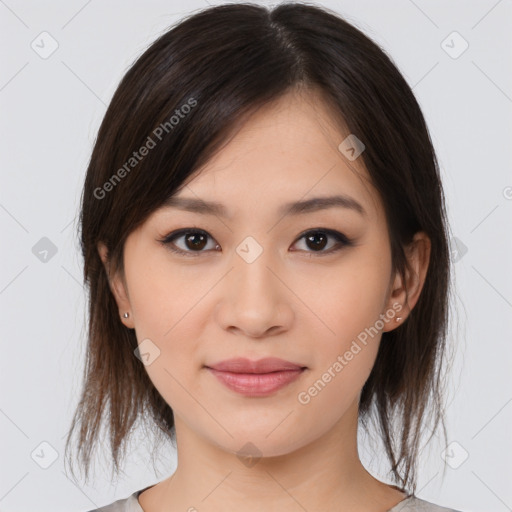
point(193, 242)
point(317, 240)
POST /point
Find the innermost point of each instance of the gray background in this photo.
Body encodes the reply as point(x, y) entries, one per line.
point(51, 110)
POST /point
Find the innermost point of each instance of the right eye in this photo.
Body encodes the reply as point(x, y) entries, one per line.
point(193, 241)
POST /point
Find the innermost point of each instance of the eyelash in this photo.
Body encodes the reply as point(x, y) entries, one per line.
point(343, 241)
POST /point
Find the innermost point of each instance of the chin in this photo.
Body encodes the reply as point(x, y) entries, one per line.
point(251, 445)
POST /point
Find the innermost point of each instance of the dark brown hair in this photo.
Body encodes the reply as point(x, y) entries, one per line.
point(180, 100)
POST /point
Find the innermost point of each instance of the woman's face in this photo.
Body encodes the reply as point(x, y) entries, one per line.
point(260, 283)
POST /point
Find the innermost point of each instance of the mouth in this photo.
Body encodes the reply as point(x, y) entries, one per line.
point(256, 378)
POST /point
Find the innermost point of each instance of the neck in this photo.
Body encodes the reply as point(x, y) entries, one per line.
point(324, 474)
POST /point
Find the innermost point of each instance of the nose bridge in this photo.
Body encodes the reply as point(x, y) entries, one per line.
point(254, 301)
point(252, 262)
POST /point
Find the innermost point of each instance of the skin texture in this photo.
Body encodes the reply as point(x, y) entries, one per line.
point(293, 301)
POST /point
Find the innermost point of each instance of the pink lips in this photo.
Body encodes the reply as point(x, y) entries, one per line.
point(256, 378)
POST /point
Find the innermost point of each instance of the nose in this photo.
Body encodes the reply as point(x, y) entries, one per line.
point(253, 299)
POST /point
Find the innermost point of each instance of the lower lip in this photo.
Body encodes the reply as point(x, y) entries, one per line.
point(256, 384)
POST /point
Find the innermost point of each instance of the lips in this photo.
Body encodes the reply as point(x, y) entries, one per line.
point(266, 365)
point(256, 378)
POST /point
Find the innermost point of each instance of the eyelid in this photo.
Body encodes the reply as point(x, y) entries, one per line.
point(332, 232)
point(342, 240)
point(167, 240)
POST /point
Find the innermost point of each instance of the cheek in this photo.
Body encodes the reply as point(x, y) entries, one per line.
point(163, 295)
point(349, 297)
point(169, 317)
point(349, 301)
point(346, 350)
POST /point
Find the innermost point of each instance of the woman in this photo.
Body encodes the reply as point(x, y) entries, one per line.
point(265, 242)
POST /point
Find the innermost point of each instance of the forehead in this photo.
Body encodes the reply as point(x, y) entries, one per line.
point(286, 151)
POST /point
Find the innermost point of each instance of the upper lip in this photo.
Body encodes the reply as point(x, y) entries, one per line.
point(265, 365)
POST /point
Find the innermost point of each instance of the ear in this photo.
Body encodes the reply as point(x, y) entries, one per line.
point(117, 287)
point(405, 294)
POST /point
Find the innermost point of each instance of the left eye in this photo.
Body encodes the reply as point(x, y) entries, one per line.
point(317, 239)
point(195, 241)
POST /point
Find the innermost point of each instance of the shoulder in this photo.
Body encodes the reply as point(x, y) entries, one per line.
point(411, 504)
point(130, 504)
point(415, 504)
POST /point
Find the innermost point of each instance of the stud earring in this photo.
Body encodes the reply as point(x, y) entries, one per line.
point(398, 318)
point(126, 315)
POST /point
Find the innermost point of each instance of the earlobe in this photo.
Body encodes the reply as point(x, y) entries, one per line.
point(406, 292)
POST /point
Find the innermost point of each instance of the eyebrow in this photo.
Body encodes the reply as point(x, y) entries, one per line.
point(314, 204)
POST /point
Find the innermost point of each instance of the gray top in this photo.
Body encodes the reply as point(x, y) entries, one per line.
point(409, 504)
